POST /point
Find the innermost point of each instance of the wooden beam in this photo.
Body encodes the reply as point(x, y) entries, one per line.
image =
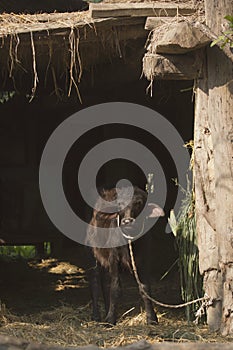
point(96, 46)
point(154, 22)
point(171, 67)
point(220, 107)
point(212, 36)
point(43, 28)
point(214, 173)
point(181, 38)
point(131, 28)
point(204, 178)
point(104, 10)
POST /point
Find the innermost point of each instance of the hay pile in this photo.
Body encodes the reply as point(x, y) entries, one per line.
point(66, 326)
point(70, 325)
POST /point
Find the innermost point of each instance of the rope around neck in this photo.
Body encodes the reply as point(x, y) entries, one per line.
point(129, 238)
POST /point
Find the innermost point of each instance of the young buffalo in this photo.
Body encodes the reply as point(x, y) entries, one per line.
point(110, 247)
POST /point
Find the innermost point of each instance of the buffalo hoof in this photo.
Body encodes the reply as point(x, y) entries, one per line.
point(152, 320)
point(110, 321)
point(108, 325)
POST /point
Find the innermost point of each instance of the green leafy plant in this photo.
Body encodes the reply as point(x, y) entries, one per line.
point(22, 251)
point(5, 96)
point(14, 252)
point(184, 228)
point(227, 36)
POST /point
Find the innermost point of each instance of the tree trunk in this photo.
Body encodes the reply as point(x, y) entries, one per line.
point(205, 204)
point(220, 104)
point(214, 174)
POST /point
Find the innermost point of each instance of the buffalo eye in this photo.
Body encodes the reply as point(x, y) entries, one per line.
point(140, 203)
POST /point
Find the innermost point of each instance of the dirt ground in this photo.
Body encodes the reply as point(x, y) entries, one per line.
point(48, 301)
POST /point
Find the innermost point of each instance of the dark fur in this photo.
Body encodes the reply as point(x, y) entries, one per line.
point(105, 277)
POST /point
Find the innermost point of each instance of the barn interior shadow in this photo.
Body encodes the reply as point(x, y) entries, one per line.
point(31, 287)
point(25, 128)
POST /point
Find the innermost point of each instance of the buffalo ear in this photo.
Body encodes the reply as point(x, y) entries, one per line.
point(154, 210)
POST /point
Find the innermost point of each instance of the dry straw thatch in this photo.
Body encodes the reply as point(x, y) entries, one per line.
point(70, 325)
point(13, 24)
point(56, 47)
point(35, 45)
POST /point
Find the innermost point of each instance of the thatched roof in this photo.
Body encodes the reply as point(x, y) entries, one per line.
point(58, 50)
point(16, 24)
point(13, 20)
point(59, 46)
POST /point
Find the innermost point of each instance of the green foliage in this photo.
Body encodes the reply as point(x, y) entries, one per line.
point(227, 36)
point(184, 228)
point(5, 96)
point(24, 252)
point(13, 252)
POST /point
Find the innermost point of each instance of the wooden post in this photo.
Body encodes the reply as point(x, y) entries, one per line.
point(205, 203)
point(214, 174)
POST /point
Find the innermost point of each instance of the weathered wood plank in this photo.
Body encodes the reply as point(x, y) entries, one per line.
point(154, 22)
point(88, 32)
point(199, 30)
point(96, 44)
point(139, 9)
point(59, 27)
point(220, 72)
point(171, 67)
point(204, 183)
point(220, 111)
point(221, 119)
point(215, 109)
point(181, 38)
point(210, 34)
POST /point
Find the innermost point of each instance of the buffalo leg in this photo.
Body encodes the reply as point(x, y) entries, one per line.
point(95, 288)
point(151, 317)
point(114, 293)
point(105, 287)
